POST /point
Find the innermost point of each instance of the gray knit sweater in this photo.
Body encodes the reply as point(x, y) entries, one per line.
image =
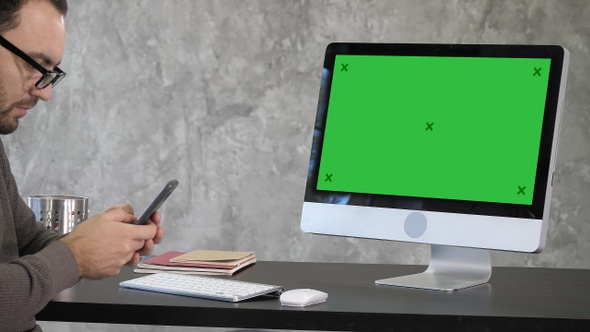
point(33, 266)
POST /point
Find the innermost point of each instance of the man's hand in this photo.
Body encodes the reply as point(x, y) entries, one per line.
point(107, 241)
point(149, 244)
point(148, 247)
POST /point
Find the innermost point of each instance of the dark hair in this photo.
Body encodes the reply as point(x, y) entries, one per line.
point(9, 18)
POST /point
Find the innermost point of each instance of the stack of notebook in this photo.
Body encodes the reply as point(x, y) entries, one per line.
point(208, 262)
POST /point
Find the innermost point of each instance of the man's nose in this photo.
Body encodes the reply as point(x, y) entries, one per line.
point(44, 94)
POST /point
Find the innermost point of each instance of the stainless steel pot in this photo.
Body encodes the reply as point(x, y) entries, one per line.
point(60, 213)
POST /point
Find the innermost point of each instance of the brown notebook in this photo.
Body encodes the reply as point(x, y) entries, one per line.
point(211, 262)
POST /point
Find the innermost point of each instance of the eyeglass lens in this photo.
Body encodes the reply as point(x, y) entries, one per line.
point(49, 78)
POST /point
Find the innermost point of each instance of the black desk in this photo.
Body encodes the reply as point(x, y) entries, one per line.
point(519, 299)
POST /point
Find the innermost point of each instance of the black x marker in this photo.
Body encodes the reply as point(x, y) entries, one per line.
point(537, 71)
point(328, 177)
point(344, 67)
point(521, 190)
point(429, 126)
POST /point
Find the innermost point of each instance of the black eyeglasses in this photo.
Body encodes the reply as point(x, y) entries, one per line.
point(49, 76)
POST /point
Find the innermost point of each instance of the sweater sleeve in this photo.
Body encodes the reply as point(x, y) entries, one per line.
point(29, 282)
point(33, 265)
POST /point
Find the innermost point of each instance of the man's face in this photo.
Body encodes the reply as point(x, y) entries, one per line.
point(40, 34)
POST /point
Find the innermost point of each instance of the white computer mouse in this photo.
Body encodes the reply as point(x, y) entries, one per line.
point(303, 297)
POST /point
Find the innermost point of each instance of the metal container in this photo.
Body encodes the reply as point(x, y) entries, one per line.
point(60, 213)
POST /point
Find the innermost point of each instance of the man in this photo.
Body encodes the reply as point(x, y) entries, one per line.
point(35, 263)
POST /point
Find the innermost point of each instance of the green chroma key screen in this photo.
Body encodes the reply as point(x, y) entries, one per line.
point(462, 128)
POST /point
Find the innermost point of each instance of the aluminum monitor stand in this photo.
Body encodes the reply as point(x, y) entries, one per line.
point(450, 269)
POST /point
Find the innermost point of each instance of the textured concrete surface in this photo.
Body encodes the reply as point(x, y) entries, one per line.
point(221, 95)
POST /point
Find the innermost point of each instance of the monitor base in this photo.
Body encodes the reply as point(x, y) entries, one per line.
point(450, 269)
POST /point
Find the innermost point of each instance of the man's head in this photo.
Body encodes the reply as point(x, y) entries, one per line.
point(37, 28)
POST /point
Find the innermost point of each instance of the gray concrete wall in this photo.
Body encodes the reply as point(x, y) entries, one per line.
point(221, 95)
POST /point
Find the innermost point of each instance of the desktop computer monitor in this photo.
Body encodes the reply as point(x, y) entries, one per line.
point(448, 145)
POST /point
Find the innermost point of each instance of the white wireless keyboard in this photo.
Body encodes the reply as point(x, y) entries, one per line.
point(213, 288)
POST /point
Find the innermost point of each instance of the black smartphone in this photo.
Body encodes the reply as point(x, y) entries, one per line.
point(157, 202)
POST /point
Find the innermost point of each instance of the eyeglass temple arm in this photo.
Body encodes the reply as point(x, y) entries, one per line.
point(22, 55)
